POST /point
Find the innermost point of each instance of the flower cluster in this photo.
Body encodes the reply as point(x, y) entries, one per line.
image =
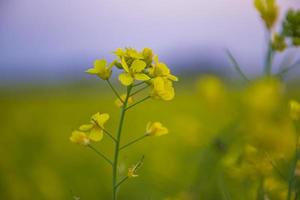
point(139, 66)
point(90, 132)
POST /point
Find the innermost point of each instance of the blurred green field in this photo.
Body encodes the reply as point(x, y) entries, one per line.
point(37, 160)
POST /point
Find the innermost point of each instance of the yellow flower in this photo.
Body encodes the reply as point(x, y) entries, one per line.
point(123, 97)
point(162, 88)
point(100, 69)
point(92, 131)
point(160, 69)
point(294, 109)
point(79, 137)
point(156, 129)
point(147, 55)
point(134, 72)
point(268, 10)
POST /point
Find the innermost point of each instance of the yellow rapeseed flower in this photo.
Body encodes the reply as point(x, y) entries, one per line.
point(133, 72)
point(162, 88)
point(100, 69)
point(119, 103)
point(79, 137)
point(294, 109)
point(156, 129)
point(92, 131)
point(160, 69)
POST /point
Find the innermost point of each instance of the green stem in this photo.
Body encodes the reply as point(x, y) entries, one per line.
point(117, 146)
point(115, 91)
point(269, 58)
point(140, 101)
point(110, 135)
point(133, 141)
point(141, 83)
point(139, 90)
point(121, 181)
point(101, 154)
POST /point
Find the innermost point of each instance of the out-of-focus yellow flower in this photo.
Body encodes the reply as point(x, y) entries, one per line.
point(79, 137)
point(297, 170)
point(160, 69)
point(134, 72)
point(92, 131)
point(119, 103)
point(100, 69)
point(156, 129)
point(212, 91)
point(268, 10)
point(162, 88)
point(274, 188)
point(263, 96)
point(294, 109)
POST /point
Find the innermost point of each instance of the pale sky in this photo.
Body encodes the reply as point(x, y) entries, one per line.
point(61, 36)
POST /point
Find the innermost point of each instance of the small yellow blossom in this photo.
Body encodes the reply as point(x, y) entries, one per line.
point(119, 103)
point(162, 88)
point(100, 69)
point(294, 109)
point(130, 53)
point(79, 137)
point(156, 129)
point(160, 69)
point(92, 131)
point(268, 10)
point(134, 72)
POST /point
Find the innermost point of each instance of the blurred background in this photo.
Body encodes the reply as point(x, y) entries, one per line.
point(45, 47)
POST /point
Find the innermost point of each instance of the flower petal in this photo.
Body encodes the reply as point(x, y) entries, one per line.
point(126, 79)
point(96, 134)
point(124, 65)
point(138, 66)
point(141, 77)
point(92, 71)
point(99, 64)
point(86, 127)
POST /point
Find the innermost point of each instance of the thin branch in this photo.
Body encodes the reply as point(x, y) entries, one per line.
point(115, 91)
point(140, 101)
point(139, 90)
point(141, 83)
point(236, 66)
point(105, 131)
point(133, 141)
point(101, 155)
point(120, 182)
